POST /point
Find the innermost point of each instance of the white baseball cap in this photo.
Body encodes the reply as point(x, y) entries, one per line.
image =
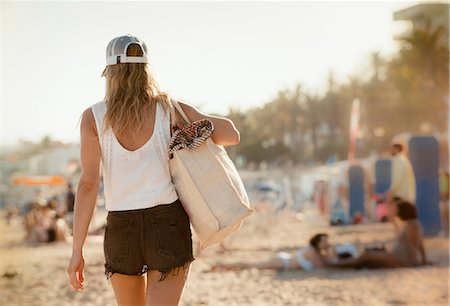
point(116, 52)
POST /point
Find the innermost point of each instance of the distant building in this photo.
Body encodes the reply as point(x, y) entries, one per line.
point(435, 14)
point(24, 179)
point(53, 161)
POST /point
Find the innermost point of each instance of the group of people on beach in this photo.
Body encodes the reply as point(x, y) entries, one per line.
point(49, 220)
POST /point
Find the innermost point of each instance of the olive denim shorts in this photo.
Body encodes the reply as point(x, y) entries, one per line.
point(156, 238)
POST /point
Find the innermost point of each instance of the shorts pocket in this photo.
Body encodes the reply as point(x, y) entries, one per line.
point(117, 238)
point(173, 235)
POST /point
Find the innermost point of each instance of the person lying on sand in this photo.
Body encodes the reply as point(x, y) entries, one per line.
point(405, 252)
point(309, 258)
point(407, 247)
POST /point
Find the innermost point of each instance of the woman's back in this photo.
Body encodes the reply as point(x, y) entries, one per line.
point(133, 140)
point(135, 169)
point(403, 249)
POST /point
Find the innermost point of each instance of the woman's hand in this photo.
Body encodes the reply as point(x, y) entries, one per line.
point(75, 271)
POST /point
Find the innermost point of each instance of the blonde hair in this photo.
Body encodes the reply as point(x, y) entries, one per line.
point(130, 89)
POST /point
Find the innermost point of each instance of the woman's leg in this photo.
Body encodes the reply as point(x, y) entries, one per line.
point(129, 289)
point(166, 292)
point(61, 230)
point(234, 266)
point(274, 263)
point(369, 259)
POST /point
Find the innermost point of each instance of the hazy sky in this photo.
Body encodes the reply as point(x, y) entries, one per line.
point(212, 54)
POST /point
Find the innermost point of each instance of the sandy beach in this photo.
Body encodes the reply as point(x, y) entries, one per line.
point(36, 274)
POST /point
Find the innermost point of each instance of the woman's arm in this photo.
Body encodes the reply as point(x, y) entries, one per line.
point(89, 181)
point(86, 196)
point(225, 133)
point(422, 253)
point(415, 241)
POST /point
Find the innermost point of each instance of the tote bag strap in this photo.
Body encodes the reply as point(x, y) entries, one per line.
point(177, 106)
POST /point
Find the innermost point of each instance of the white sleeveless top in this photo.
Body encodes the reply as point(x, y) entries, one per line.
point(136, 179)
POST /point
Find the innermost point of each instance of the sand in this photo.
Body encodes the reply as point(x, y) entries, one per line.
point(37, 273)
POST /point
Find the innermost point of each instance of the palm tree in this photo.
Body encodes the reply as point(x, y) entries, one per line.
point(420, 74)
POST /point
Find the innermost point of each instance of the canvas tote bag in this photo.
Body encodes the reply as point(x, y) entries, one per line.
point(209, 188)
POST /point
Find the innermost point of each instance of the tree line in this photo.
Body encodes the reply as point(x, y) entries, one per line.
point(407, 92)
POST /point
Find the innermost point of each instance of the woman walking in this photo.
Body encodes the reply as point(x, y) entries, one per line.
point(147, 246)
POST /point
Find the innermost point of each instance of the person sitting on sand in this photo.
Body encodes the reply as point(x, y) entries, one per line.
point(39, 221)
point(311, 257)
point(43, 224)
point(405, 251)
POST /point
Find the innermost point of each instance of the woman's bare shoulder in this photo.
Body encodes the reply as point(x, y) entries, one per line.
point(413, 226)
point(88, 120)
point(88, 114)
point(191, 111)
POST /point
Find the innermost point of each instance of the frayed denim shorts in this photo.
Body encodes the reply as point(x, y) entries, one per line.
point(157, 238)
